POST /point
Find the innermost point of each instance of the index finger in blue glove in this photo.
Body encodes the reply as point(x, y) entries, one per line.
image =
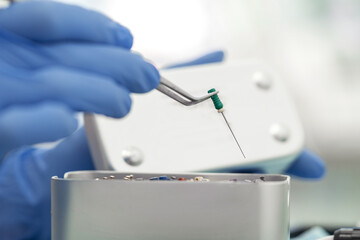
point(26, 125)
point(126, 68)
point(79, 90)
point(83, 91)
point(45, 21)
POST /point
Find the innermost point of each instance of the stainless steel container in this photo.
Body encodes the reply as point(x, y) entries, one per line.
point(228, 206)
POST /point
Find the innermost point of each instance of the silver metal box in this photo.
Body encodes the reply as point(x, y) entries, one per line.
point(229, 206)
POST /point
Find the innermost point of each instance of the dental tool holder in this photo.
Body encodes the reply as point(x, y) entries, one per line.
point(162, 135)
point(93, 205)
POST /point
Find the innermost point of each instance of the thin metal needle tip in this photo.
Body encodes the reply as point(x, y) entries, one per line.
point(227, 123)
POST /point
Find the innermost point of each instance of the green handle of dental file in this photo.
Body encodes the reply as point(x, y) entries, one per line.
point(216, 100)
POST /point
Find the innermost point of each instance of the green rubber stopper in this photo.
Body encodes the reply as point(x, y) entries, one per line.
point(216, 100)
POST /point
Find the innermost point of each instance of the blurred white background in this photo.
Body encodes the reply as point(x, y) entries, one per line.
point(314, 45)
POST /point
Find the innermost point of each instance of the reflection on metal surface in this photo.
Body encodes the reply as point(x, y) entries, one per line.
point(280, 132)
point(262, 80)
point(132, 156)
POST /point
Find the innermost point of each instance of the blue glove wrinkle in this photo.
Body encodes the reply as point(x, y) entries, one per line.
point(44, 21)
point(20, 52)
point(15, 91)
point(307, 165)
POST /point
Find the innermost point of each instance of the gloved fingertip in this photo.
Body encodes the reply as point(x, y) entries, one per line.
point(71, 125)
point(123, 36)
point(307, 165)
point(59, 119)
point(122, 104)
point(149, 80)
point(36, 124)
point(72, 154)
point(154, 76)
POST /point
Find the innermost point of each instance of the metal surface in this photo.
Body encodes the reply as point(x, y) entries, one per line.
point(227, 123)
point(132, 156)
point(177, 138)
point(280, 132)
point(255, 207)
point(180, 95)
point(262, 80)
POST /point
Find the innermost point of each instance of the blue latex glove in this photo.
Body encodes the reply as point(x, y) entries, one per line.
point(79, 62)
point(56, 59)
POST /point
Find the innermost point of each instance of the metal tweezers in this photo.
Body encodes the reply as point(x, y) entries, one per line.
point(180, 95)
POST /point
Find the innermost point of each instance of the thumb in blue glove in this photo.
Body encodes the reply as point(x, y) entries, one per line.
point(25, 185)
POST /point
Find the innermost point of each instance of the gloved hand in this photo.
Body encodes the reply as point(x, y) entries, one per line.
point(61, 30)
point(55, 60)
